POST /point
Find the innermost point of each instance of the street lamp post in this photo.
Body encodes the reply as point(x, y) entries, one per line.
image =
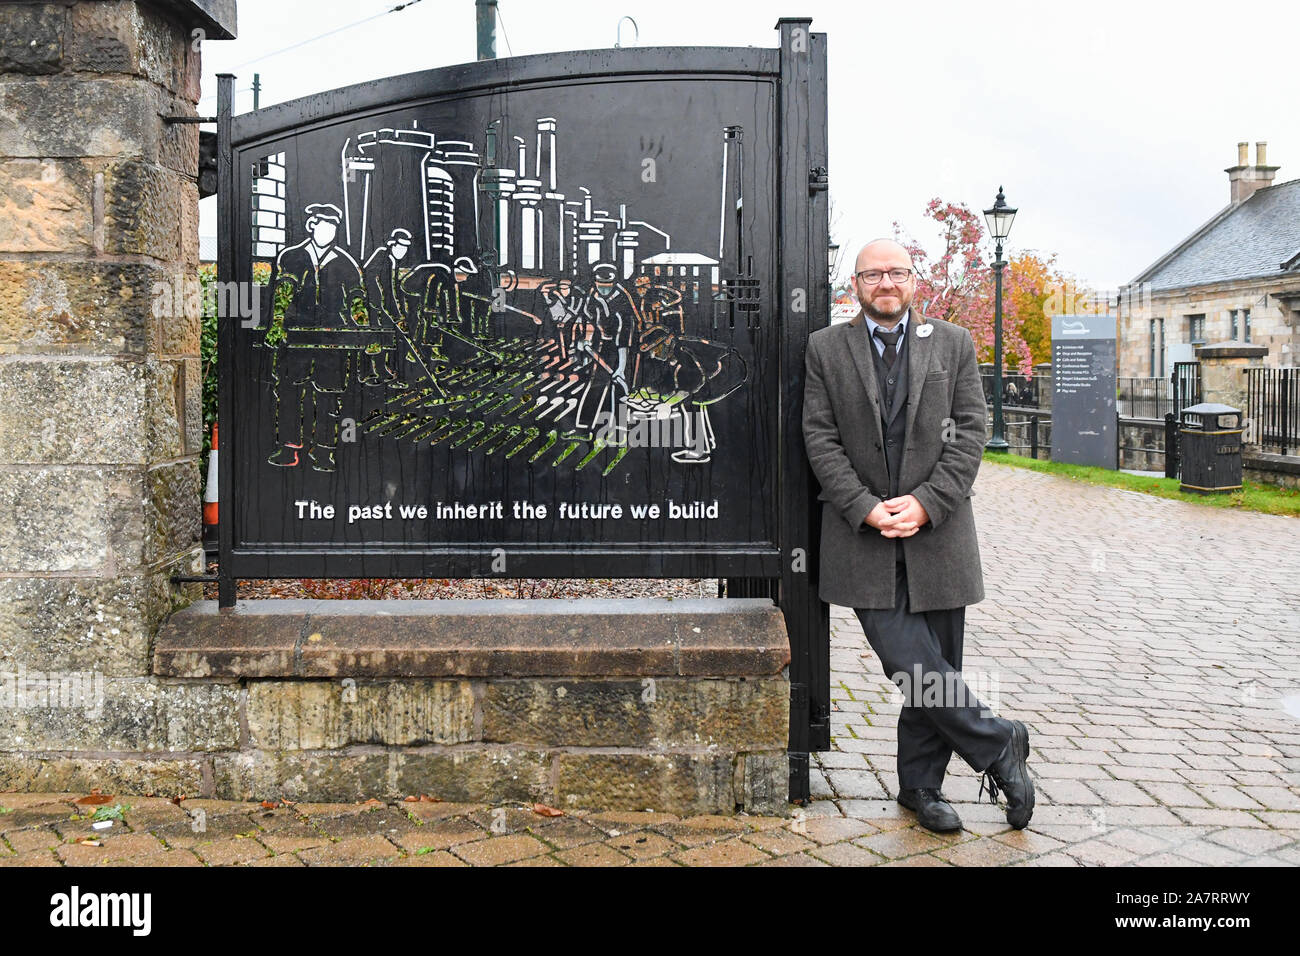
point(999, 219)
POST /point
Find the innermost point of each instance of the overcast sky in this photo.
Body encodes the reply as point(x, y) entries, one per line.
point(1109, 123)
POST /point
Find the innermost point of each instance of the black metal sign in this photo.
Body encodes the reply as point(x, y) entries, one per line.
point(540, 317)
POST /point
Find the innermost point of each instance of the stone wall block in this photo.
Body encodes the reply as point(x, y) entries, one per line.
point(81, 624)
point(68, 710)
point(59, 519)
point(173, 511)
point(32, 38)
point(72, 116)
point(476, 774)
point(73, 412)
point(689, 783)
point(118, 775)
point(46, 205)
point(143, 206)
point(662, 712)
point(327, 715)
point(96, 308)
point(764, 780)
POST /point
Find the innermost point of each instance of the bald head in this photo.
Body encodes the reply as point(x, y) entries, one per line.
point(879, 251)
point(887, 298)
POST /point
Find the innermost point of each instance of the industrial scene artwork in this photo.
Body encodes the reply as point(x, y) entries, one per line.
point(476, 303)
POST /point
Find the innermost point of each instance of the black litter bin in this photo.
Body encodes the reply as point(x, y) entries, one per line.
point(1210, 454)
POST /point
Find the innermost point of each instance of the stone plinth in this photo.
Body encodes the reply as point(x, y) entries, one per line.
point(682, 706)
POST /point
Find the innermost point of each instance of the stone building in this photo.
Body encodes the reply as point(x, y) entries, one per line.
point(1236, 279)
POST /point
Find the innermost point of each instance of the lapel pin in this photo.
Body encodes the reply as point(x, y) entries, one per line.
point(923, 331)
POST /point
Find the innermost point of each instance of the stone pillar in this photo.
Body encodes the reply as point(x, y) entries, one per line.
point(1223, 366)
point(100, 384)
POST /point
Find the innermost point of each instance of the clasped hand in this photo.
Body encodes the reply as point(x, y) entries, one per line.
point(899, 517)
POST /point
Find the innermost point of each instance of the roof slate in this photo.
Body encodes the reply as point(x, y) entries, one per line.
point(1244, 242)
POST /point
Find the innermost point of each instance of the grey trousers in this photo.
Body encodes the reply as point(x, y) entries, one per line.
point(921, 653)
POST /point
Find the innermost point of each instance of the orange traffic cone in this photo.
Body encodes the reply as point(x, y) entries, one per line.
point(210, 493)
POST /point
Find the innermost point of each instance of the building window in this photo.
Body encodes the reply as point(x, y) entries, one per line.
point(1157, 348)
point(1240, 325)
point(1196, 329)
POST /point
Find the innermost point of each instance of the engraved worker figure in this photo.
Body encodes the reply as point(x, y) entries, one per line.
point(316, 288)
point(558, 316)
point(384, 301)
point(612, 325)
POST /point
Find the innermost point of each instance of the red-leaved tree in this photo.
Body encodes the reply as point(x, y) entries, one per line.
point(957, 286)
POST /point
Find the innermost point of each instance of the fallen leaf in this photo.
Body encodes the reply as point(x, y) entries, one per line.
point(425, 798)
point(268, 804)
point(372, 802)
point(410, 799)
point(542, 810)
point(94, 798)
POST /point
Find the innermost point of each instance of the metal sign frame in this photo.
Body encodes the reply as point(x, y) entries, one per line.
point(783, 565)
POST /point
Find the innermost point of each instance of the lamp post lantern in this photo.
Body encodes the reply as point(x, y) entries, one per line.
point(999, 218)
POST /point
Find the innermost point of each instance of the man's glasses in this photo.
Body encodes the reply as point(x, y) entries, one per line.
point(873, 276)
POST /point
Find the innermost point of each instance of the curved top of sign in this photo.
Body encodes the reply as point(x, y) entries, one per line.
point(483, 75)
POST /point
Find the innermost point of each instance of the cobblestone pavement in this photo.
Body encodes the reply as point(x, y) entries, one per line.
point(1152, 647)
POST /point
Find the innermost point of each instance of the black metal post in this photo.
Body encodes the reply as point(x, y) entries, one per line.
point(225, 334)
point(998, 442)
point(1171, 445)
point(805, 234)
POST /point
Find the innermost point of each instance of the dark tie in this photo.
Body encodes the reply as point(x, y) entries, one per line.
point(891, 340)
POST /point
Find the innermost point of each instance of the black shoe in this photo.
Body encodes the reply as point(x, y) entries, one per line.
point(932, 811)
point(1010, 775)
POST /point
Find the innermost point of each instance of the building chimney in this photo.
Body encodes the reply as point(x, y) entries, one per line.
point(1244, 179)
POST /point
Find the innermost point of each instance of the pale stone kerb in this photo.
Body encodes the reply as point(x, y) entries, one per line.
point(126, 774)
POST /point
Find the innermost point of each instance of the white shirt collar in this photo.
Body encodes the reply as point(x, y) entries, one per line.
point(873, 325)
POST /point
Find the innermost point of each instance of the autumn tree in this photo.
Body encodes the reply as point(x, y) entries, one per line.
point(958, 286)
point(1040, 290)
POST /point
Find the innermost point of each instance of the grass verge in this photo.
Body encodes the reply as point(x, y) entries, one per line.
point(1267, 499)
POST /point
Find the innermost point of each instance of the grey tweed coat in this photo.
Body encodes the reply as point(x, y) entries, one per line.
point(941, 456)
